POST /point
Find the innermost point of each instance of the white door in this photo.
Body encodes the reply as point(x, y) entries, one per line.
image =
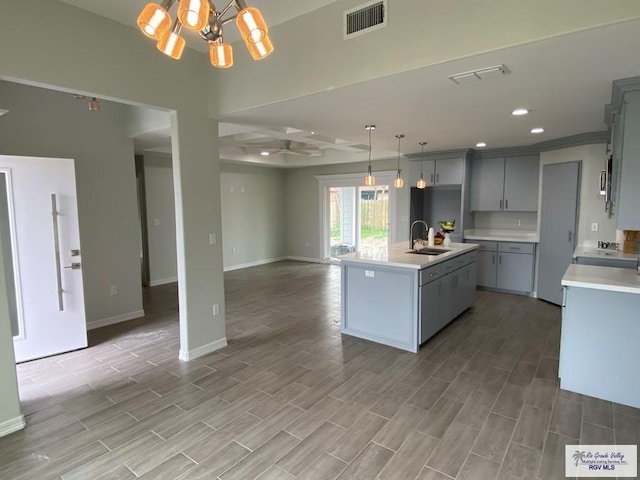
point(41, 217)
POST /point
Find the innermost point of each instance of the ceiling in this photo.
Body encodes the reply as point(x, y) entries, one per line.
point(564, 81)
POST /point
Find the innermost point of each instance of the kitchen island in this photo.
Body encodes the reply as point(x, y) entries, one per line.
point(399, 298)
point(599, 354)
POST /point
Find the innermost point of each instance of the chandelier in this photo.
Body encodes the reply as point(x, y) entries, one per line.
point(201, 16)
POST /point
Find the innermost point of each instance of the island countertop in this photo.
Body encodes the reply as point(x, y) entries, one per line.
point(398, 255)
point(612, 279)
point(591, 252)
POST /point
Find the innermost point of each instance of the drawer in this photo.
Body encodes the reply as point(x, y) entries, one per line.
point(515, 247)
point(485, 245)
point(430, 274)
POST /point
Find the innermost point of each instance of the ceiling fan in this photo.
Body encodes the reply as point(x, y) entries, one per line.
point(287, 147)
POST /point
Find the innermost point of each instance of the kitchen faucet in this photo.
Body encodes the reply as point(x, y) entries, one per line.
point(426, 229)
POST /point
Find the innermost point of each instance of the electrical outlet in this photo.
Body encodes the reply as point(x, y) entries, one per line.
point(594, 227)
point(233, 250)
point(113, 290)
point(212, 239)
point(156, 222)
point(216, 309)
point(369, 273)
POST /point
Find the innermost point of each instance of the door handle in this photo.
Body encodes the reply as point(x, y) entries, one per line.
point(74, 266)
point(56, 249)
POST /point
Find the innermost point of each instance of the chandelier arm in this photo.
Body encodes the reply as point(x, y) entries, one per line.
point(232, 3)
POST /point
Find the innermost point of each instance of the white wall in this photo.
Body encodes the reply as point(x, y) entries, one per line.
point(253, 215)
point(45, 123)
point(591, 203)
point(161, 218)
point(303, 205)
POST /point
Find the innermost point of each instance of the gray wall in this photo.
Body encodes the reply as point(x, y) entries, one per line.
point(161, 218)
point(254, 226)
point(303, 205)
point(7, 254)
point(45, 123)
point(9, 402)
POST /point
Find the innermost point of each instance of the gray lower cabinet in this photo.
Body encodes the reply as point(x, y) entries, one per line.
point(506, 266)
point(447, 290)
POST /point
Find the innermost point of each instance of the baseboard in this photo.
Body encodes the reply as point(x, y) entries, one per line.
point(12, 425)
point(112, 320)
point(162, 281)
point(253, 264)
point(306, 259)
point(188, 355)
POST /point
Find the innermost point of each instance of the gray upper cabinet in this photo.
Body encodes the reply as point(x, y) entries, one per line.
point(487, 184)
point(521, 181)
point(448, 171)
point(628, 188)
point(505, 184)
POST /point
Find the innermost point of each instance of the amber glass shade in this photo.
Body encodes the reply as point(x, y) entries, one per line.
point(369, 180)
point(261, 49)
point(171, 44)
point(421, 183)
point(193, 14)
point(398, 182)
point(154, 21)
point(220, 55)
point(254, 31)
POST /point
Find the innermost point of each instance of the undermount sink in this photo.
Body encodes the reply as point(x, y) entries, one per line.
point(430, 251)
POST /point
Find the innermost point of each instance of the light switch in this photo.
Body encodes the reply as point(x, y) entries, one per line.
point(594, 227)
point(156, 222)
point(369, 273)
point(212, 239)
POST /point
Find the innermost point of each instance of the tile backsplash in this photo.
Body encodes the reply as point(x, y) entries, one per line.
point(506, 220)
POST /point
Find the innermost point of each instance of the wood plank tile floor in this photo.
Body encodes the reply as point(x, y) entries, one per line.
point(292, 398)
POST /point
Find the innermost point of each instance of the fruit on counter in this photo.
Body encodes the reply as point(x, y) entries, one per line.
point(447, 225)
point(439, 235)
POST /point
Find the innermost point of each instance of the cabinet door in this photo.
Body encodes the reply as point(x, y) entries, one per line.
point(468, 281)
point(446, 310)
point(449, 171)
point(429, 169)
point(629, 193)
point(429, 310)
point(487, 269)
point(515, 272)
point(487, 184)
point(521, 180)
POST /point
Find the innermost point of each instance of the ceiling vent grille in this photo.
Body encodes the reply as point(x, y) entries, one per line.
point(365, 18)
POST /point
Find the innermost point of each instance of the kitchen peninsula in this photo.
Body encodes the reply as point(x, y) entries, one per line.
point(600, 330)
point(401, 298)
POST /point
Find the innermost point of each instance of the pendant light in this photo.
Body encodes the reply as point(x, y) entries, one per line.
point(369, 180)
point(171, 43)
point(422, 183)
point(398, 182)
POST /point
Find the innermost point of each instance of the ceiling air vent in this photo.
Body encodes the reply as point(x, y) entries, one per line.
point(365, 18)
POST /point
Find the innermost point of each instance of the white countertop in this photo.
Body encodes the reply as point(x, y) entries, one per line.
point(625, 280)
point(397, 255)
point(602, 253)
point(529, 236)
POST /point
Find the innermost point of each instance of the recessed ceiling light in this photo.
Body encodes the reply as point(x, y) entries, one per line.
point(265, 154)
point(481, 144)
point(520, 111)
point(537, 130)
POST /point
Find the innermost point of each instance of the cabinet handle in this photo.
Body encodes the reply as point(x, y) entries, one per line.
point(506, 204)
point(564, 296)
point(493, 259)
point(500, 204)
point(437, 178)
point(570, 235)
point(431, 179)
point(500, 259)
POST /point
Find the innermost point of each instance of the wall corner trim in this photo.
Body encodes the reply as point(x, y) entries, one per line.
point(188, 355)
point(12, 425)
point(103, 322)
